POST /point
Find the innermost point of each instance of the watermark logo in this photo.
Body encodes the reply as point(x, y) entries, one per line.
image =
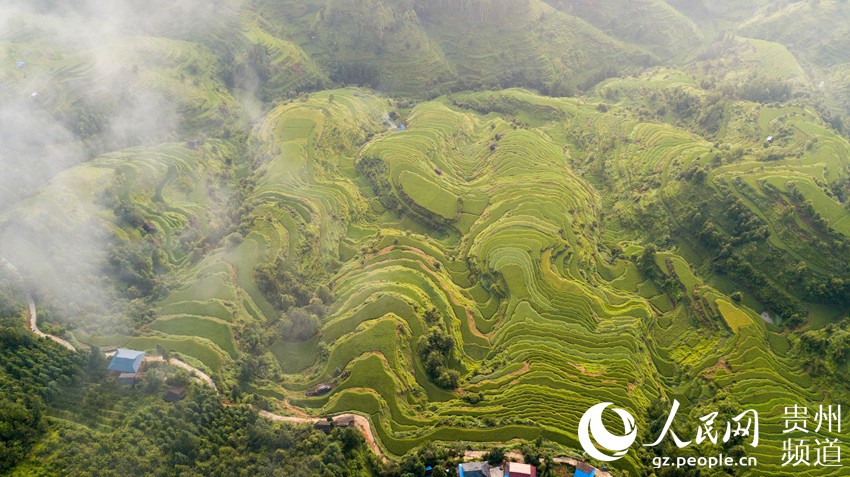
point(810, 439)
point(591, 428)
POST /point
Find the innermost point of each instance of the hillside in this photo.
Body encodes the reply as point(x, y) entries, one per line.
point(652, 24)
point(423, 49)
point(468, 222)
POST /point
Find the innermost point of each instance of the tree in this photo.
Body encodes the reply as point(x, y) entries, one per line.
point(435, 348)
point(495, 456)
point(646, 262)
point(333, 455)
point(20, 425)
point(300, 325)
point(163, 352)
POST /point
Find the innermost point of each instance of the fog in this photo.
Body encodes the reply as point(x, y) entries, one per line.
point(80, 79)
point(84, 78)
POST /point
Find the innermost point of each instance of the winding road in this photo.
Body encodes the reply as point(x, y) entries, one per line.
point(32, 316)
point(33, 325)
point(360, 422)
point(194, 372)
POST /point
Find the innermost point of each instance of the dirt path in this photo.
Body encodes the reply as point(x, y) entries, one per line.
point(32, 315)
point(202, 376)
point(33, 325)
point(361, 423)
point(197, 373)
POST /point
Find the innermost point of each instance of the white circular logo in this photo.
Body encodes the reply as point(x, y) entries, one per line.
point(591, 425)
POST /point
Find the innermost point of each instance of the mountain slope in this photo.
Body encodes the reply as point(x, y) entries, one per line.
point(652, 24)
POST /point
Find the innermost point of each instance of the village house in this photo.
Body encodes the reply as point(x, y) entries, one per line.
point(344, 421)
point(320, 390)
point(584, 469)
point(473, 469)
point(177, 393)
point(126, 365)
point(325, 426)
point(514, 469)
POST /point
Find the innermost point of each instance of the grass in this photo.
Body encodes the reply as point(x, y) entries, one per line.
point(425, 193)
point(295, 356)
point(734, 316)
point(193, 347)
point(216, 331)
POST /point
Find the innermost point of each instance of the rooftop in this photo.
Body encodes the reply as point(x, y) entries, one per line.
point(583, 469)
point(474, 469)
point(521, 470)
point(126, 361)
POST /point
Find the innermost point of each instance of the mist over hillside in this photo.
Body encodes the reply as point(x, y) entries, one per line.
point(467, 222)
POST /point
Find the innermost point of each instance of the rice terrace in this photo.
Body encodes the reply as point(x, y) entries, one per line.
point(401, 237)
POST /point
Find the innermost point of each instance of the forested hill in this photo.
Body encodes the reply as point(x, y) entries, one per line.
point(466, 221)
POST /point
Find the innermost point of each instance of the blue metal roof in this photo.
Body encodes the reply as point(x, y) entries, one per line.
point(581, 473)
point(473, 469)
point(126, 361)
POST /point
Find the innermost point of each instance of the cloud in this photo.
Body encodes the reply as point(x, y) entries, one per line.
point(104, 80)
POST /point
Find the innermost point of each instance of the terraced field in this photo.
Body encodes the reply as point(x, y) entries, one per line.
point(560, 331)
point(556, 252)
point(473, 221)
point(167, 185)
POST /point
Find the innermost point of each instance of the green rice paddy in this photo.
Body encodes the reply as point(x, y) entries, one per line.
point(546, 325)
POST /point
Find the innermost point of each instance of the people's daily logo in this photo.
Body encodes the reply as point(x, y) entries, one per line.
point(593, 435)
point(812, 439)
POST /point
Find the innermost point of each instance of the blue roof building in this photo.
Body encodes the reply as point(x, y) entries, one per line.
point(473, 469)
point(126, 361)
point(584, 470)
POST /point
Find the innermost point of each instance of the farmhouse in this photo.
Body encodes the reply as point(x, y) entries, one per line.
point(126, 361)
point(344, 421)
point(514, 469)
point(320, 390)
point(473, 469)
point(325, 426)
point(126, 365)
point(583, 469)
point(175, 394)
